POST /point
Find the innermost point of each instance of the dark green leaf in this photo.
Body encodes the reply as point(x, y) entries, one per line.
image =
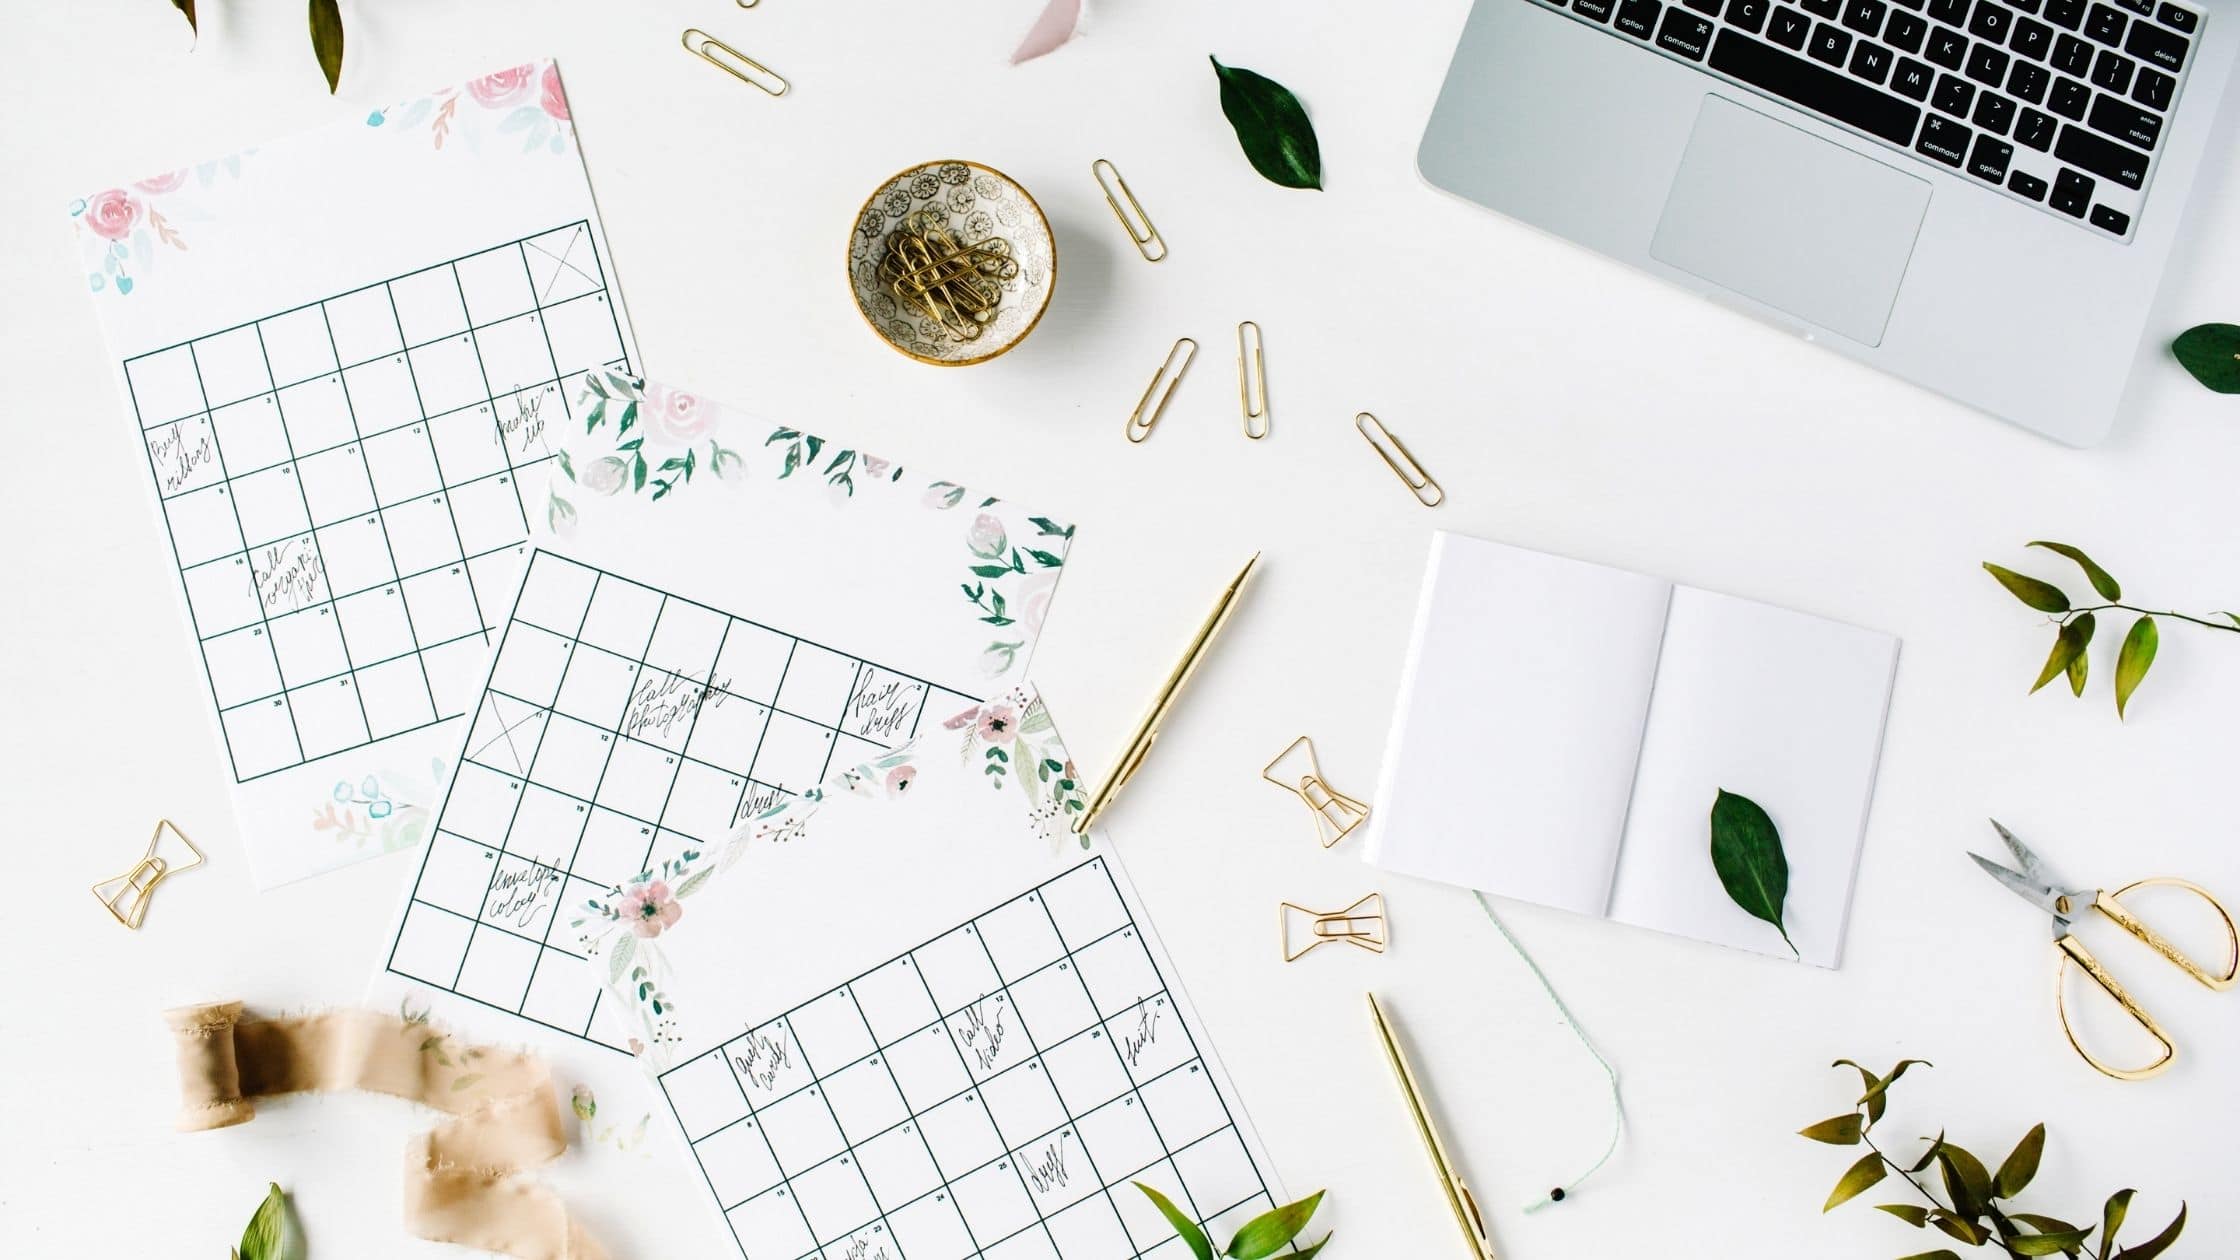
point(1860, 1178)
point(1873, 1087)
point(2081, 664)
point(1200, 1246)
point(2022, 1164)
point(2102, 581)
point(1941, 1253)
point(1911, 1214)
point(326, 40)
point(1746, 851)
point(1309, 1253)
point(2111, 1219)
point(1928, 1156)
point(2043, 596)
point(2158, 1244)
point(1837, 1131)
point(2068, 648)
point(186, 7)
point(1965, 1178)
point(1265, 1234)
point(2131, 663)
point(2046, 1224)
point(2212, 353)
point(1272, 127)
point(1876, 1097)
point(1959, 1227)
point(2044, 1244)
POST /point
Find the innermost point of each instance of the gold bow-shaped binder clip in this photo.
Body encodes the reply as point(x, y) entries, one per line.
point(1297, 770)
point(1361, 925)
point(126, 896)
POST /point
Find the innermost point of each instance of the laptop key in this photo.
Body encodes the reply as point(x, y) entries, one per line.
point(2072, 193)
point(1638, 18)
point(2069, 98)
point(2032, 39)
point(1988, 160)
point(1830, 44)
point(2105, 24)
point(2036, 130)
point(1750, 15)
point(2112, 70)
point(1823, 8)
point(1944, 140)
point(2030, 82)
point(2144, 8)
point(1914, 79)
point(1954, 96)
point(2027, 6)
point(1709, 8)
point(2125, 122)
point(1791, 29)
point(1595, 10)
point(2071, 55)
point(1994, 113)
point(2027, 185)
point(2101, 156)
point(2154, 89)
point(1948, 48)
point(1865, 16)
point(2107, 220)
point(1813, 87)
point(2066, 14)
point(1684, 33)
point(1871, 61)
point(1987, 65)
point(2156, 46)
point(1991, 21)
point(2178, 19)
point(1949, 12)
point(1906, 32)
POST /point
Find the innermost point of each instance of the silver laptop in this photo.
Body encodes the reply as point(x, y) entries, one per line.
point(1980, 196)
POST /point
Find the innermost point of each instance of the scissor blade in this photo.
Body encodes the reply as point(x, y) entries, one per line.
point(2028, 861)
point(2029, 890)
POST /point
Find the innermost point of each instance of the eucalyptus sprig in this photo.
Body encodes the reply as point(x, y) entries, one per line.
point(1262, 1236)
point(2074, 624)
point(1974, 1206)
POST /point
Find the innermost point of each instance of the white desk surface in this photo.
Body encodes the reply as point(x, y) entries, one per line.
point(1566, 403)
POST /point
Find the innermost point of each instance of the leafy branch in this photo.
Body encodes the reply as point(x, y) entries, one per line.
point(2075, 623)
point(1970, 1209)
point(1262, 1236)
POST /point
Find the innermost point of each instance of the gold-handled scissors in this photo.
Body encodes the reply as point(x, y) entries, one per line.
point(2038, 886)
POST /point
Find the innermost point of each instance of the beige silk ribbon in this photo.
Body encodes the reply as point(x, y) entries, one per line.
point(461, 1177)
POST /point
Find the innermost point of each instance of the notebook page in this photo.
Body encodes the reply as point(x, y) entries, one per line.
point(1784, 708)
point(1520, 715)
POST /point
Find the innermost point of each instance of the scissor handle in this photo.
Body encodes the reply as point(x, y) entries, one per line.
point(2073, 950)
point(2109, 905)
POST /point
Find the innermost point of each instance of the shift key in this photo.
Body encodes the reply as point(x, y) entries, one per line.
point(1815, 87)
point(2103, 157)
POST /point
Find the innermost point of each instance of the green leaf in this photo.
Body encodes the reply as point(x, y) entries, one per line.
point(271, 1234)
point(1941, 1253)
point(2111, 1219)
point(1265, 1234)
point(1877, 1095)
point(2131, 663)
point(1965, 1178)
point(2044, 1244)
point(2081, 664)
point(2068, 649)
point(1309, 1253)
point(1959, 1227)
point(1836, 1131)
point(2043, 596)
point(326, 40)
point(1911, 1213)
point(1928, 1156)
point(1746, 851)
point(186, 7)
point(2022, 1164)
point(2158, 1244)
point(2212, 353)
point(2102, 581)
point(1187, 1229)
point(1272, 127)
point(1860, 1178)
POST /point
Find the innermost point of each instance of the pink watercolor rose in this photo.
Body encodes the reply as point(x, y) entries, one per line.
point(649, 908)
point(677, 415)
point(604, 475)
point(875, 467)
point(502, 88)
point(995, 724)
point(166, 182)
point(554, 100)
point(112, 214)
point(987, 537)
point(1032, 601)
point(898, 779)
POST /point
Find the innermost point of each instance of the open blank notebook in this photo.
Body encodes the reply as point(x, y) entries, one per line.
point(1564, 727)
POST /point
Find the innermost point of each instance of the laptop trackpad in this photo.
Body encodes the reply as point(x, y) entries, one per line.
point(1780, 215)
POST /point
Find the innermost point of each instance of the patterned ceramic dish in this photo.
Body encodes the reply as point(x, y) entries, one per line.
point(978, 202)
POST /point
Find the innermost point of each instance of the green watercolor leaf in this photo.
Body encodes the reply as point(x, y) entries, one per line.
point(1265, 1234)
point(2212, 353)
point(1271, 126)
point(326, 40)
point(1746, 852)
point(2132, 663)
point(2102, 581)
point(1200, 1245)
point(2158, 1244)
point(1857, 1180)
point(1835, 1131)
point(2017, 1170)
point(2043, 596)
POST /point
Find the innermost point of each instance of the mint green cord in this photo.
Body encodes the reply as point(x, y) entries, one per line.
point(1617, 1104)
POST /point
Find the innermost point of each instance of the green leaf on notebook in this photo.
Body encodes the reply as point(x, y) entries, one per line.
point(1746, 851)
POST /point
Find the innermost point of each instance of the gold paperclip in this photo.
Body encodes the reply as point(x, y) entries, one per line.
point(705, 46)
point(126, 896)
point(1146, 415)
point(1361, 924)
point(1115, 187)
point(1252, 380)
point(1397, 457)
point(1335, 813)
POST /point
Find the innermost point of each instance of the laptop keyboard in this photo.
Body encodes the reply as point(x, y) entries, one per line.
point(2058, 103)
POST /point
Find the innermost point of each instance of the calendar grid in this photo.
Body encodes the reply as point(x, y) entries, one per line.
point(340, 487)
point(1087, 943)
point(647, 728)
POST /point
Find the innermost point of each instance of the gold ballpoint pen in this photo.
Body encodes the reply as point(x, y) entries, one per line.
point(1465, 1207)
point(1147, 730)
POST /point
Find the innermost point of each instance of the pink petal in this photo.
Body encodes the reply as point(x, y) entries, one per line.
point(1050, 32)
